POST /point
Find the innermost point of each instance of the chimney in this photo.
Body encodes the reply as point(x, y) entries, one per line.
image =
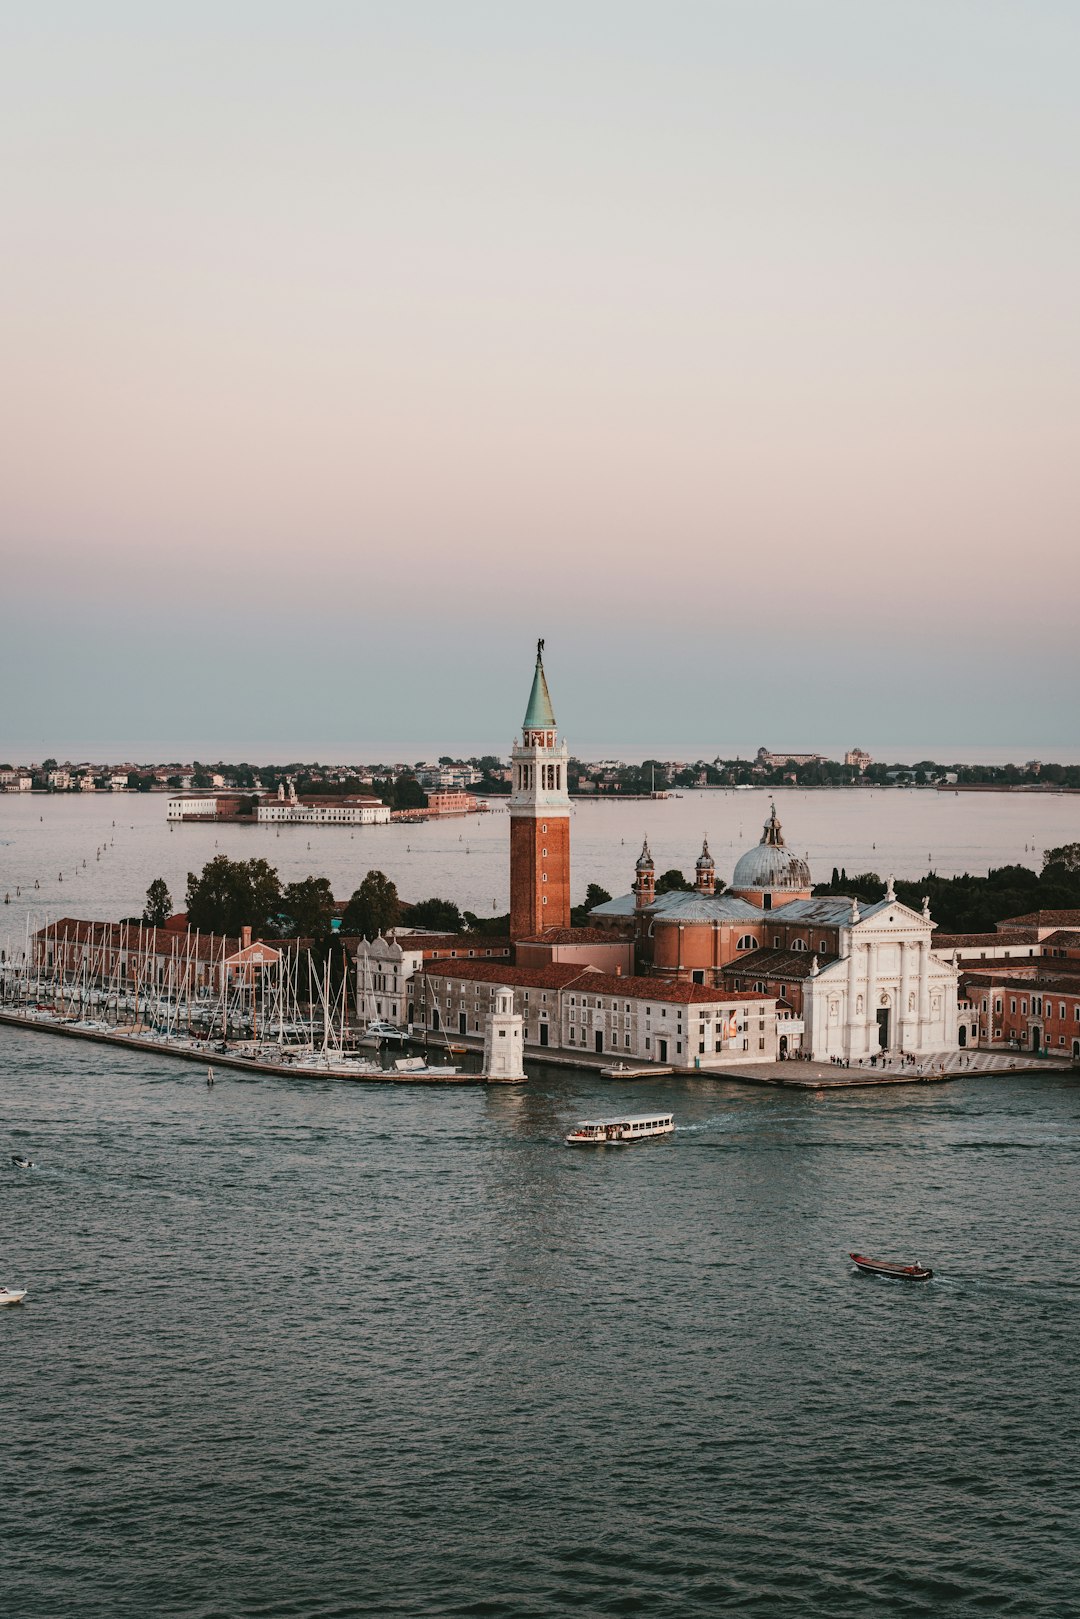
point(245, 938)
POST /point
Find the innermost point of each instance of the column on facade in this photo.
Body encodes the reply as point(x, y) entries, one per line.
point(924, 991)
point(905, 990)
point(850, 1042)
point(872, 1043)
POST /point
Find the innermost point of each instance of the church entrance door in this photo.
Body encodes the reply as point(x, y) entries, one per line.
point(883, 1028)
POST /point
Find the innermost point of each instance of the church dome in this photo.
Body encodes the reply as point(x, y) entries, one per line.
point(771, 865)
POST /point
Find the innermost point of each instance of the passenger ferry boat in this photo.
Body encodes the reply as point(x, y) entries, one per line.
point(620, 1132)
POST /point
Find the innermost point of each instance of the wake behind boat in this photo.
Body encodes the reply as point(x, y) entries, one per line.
point(620, 1132)
point(886, 1267)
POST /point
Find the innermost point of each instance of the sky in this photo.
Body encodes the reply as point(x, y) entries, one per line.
point(347, 348)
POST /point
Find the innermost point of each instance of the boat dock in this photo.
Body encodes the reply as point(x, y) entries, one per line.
point(207, 1054)
point(932, 1070)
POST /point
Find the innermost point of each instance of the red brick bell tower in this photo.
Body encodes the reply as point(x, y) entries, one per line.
point(539, 819)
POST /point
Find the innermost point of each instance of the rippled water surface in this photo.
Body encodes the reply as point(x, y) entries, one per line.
point(305, 1348)
point(95, 855)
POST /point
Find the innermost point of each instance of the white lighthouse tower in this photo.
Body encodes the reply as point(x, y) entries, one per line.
point(504, 1046)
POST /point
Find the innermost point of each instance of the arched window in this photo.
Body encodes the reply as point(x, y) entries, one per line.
point(798, 944)
point(747, 942)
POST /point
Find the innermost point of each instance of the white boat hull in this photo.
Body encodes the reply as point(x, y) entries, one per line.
point(12, 1295)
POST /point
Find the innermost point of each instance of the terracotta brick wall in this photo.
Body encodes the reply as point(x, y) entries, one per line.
point(534, 854)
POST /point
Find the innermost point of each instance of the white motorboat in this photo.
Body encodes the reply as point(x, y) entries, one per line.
point(620, 1132)
point(12, 1295)
point(380, 1029)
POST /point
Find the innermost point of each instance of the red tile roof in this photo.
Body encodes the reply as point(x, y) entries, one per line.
point(572, 936)
point(553, 975)
point(561, 975)
point(972, 941)
point(1043, 919)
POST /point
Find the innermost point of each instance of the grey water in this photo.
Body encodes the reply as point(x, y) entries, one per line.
point(303, 1348)
point(94, 856)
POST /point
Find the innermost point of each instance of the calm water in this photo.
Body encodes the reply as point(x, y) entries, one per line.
point(301, 1348)
point(45, 840)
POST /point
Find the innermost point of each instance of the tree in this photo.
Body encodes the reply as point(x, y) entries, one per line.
point(440, 915)
point(672, 882)
point(158, 907)
point(1067, 857)
point(373, 908)
point(47, 765)
point(408, 794)
point(309, 908)
point(232, 894)
point(594, 895)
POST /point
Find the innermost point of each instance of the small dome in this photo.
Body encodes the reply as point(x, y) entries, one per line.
point(645, 859)
point(705, 861)
point(771, 865)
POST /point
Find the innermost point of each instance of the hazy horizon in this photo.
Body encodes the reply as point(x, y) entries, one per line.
point(410, 753)
point(731, 347)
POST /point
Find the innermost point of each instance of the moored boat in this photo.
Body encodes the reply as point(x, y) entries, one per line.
point(620, 1132)
point(886, 1267)
point(624, 1070)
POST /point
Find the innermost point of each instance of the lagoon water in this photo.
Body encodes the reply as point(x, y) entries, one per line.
point(95, 856)
point(298, 1348)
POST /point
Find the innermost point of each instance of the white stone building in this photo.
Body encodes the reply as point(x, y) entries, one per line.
point(887, 990)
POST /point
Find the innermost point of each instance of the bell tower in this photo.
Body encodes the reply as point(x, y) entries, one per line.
point(539, 818)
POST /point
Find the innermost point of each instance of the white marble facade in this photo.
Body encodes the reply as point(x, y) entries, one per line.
point(888, 991)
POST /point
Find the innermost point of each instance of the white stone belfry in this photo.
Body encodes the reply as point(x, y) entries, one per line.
point(504, 1045)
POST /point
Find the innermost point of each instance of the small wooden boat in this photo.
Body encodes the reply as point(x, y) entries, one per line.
point(885, 1267)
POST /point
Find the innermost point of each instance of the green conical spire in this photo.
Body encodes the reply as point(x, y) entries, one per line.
point(539, 716)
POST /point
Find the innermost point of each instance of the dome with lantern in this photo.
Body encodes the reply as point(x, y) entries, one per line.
point(770, 866)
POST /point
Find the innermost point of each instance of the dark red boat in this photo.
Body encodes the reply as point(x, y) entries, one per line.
point(884, 1267)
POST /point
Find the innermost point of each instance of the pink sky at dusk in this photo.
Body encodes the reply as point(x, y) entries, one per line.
point(732, 346)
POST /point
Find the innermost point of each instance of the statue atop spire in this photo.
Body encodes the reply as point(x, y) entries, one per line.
point(772, 833)
point(539, 716)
